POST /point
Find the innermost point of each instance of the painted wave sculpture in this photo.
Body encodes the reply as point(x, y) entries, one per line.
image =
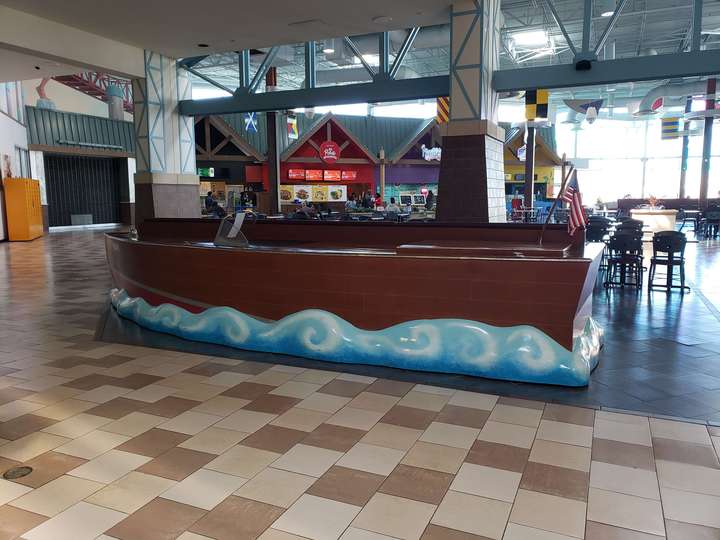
point(517, 353)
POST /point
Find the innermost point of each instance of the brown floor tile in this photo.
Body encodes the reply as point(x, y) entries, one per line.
point(248, 390)
point(250, 368)
point(498, 456)
point(6, 464)
point(676, 530)
point(332, 437)
point(207, 369)
point(338, 387)
point(23, 425)
point(417, 484)
point(625, 454)
point(158, 519)
point(11, 394)
point(685, 452)
point(714, 431)
point(390, 388)
point(108, 361)
point(117, 408)
point(90, 382)
point(410, 417)
point(273, 404)
point(15, 522)
point(169, 407)
point(567, 483)
point(68, 362)
point(527, 403)
point(153, 443)
point(274, 439)
point(177, 463)
point(138, 380)
point(600, 531)
point(47, 467)
point(436, 532)
point(571, 415)
point(237, 519)
point(346, 485)
point(463, 416)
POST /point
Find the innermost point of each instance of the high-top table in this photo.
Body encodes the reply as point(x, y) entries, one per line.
point(656, 219)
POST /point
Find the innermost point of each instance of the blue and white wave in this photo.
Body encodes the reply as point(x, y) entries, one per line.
point(518, 353)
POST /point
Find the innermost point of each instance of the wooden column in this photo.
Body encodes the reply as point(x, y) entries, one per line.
point(529, 166)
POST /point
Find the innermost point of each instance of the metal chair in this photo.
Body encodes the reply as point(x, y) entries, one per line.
point(668, 251)
point(625, 260)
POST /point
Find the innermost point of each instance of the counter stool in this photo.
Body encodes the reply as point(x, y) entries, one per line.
point(625, 260)
point(668, 251)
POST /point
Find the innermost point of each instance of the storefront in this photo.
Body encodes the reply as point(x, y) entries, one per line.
point(546, 161)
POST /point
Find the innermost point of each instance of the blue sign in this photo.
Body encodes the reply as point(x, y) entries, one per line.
point(251, 122)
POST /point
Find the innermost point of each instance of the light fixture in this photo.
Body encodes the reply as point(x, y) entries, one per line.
point(328, 50)
point(203, 45)
point(607, 13)
point(382, 19)
point(531, 38)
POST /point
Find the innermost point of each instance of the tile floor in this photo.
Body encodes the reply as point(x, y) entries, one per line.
point(135, 443)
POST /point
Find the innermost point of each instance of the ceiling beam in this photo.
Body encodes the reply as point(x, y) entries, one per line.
point(404, 49)
point(560, 25)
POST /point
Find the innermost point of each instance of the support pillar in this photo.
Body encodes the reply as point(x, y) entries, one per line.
point(166, 180)
point(685, 150)
point(472, 182)
point(273, 148)
point(529, 192)
point(707, 144)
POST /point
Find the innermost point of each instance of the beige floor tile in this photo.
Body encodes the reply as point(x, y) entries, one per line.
point(221, 405)
point(355, 418)
point(391, 436)
point(93, 444)
point(246, 421)
point(58, 495)
point(199, 392)
point(9, 491)
point(77, 426)
point(63, 410)
point(691, 507)
point(316, 376)
point(472, 514)
point(561, 455)
point(308, 460)
point(317, 518)
point(103, 394)
point(372, 459)
point(151, 393)
point(550, 513)
point(31, 446)
point(563, 432)
point(686, 477)
point(190, 423)
point(424, 400)
point(131, 492)
point(679, 431)
point(83, 521)
point(39, 384)
point(276, 487)
point(521, 532)
point(228, 379)
point(473, 400)
point(272, 377)
point(627, 511)
point(204, 489)
point(450, 435)
point(214, 440)
point(435, 457)
point(371, 401)
point(296, 389)
point(53, 395)
point(326, 403)
point(634, 419)
point(635, 433)
point(638, 482)
point(187, 535)
point(134, 424)
point(16, 408)
point(395, 516)
point(487, 482)
point(352, 377)
point(510, 434)
point(521, 416)
point(353, 533)
point(242, 461)
point(435, 390)
point(109, 467)
point(301, 419)
point(677, 530)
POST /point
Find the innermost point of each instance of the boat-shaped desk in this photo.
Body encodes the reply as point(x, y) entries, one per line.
point(485, 300)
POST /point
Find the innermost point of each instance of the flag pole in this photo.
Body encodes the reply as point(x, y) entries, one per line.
point(565, 175)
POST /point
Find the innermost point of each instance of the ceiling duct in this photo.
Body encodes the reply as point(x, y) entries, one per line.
point(670, 90)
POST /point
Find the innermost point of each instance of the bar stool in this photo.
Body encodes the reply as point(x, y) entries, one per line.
point(668, 251)
point(625, 260)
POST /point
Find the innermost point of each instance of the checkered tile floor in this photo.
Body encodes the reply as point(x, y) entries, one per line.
point(133, 443)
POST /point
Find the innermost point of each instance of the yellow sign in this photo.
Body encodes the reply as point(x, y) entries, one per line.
point(536, 104)
point(443, 110)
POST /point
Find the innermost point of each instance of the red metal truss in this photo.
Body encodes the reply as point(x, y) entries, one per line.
point(96, 84)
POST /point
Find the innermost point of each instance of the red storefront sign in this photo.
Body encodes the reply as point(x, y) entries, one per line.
point(332, 176)
point(349, 175)
point(313, 175)
point(296, 174)
point(329, 152)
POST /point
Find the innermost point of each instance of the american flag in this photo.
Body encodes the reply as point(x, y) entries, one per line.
point(571, 195)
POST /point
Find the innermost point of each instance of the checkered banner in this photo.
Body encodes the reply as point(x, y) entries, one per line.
point(536, 104)
point(443, 110)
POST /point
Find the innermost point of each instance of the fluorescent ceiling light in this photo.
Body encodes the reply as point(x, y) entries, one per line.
point(531, 38)
point(328, 50)
point(607, 13)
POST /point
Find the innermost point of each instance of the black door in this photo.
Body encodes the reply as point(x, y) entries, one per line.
point(83, 185)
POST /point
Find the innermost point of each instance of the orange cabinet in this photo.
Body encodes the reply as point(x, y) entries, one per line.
point(23, 209)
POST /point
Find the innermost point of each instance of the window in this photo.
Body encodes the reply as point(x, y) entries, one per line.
point(22, 158)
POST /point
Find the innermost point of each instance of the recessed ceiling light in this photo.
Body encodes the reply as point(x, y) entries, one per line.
point(328, 50)
point(531, 38)
point(607, 13)
point(37, 67)
point(382, 19)
point(203, 45)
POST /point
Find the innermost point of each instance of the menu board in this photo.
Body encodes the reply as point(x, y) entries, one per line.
point(320, 193)
point(317, 193)
point(313, 175)
point(296, 174)
point(349, 175)
point(302, 193)
point(332, 176)
point(287, 193)
point(337, 193)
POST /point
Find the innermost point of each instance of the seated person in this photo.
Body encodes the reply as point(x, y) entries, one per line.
point(306, 209)
point(351, 204)
point(392, 208)
point(209, 202)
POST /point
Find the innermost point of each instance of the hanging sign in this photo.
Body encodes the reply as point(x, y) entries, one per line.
point(292, 127)
point(251, 122)
point(329, 152)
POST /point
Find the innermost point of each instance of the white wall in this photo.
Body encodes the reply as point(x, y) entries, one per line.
point(12, 134)
point(67, 99)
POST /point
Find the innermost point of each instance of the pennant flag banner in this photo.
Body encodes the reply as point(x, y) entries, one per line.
point(251, 122)
point(670, 127)
point(443, 110)
point(536, 104)
point(292, 127)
